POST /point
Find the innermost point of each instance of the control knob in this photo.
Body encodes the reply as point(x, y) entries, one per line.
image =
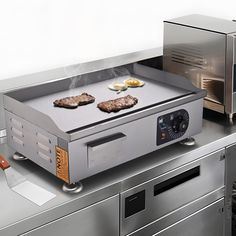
point(179, 124)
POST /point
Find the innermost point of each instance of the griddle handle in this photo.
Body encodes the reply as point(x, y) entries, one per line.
point(3, 163)
point(106, 141)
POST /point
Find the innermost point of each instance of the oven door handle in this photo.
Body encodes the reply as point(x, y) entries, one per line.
point(106, 141)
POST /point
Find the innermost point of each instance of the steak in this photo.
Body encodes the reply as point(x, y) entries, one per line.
point(118, 104)
point(74, 101)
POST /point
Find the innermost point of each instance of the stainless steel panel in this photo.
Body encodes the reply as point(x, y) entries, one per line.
point(205, 222)
point(203, 56)
point(2, 116)
point(192, 52)
point(211, 178)
point(229, 74)
point(180, 214)
point(3, 140)
point(230, 178)
point(233, 71)
point(100, 219)
point(206, 22)
point(102, 150)
point(140, 139)
point(3, 132)
point(32, 142)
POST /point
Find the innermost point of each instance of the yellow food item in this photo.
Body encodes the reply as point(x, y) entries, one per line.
point(132, 82)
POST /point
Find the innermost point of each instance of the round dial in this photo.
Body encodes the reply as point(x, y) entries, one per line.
point(179, 124)
point(172, 126)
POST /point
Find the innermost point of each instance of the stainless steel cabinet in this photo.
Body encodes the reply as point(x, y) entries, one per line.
point(230, 178)
point(171, 191)
point(100, 219)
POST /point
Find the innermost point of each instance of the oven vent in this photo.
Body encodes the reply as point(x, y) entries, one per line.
point(44, 147)
point(190, 56)
point(17, 132)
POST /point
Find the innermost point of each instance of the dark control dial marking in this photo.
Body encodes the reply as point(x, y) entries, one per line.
point(172, 126)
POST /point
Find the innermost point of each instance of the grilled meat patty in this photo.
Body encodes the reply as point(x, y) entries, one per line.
point(118, 104)
point(74, 101)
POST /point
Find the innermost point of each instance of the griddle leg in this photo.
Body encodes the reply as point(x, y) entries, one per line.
point(18, 157)
point(188, 141)
point(72, 188)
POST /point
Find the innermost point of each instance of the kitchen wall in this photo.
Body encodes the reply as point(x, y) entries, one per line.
point(38, 35)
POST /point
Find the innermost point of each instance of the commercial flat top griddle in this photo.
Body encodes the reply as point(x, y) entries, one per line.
point(76, 143)
point(152, 93)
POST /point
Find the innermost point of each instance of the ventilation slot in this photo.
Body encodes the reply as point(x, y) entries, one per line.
point(18, 141)
point(17, 132)
point(43, 146)
point(45, 157)
point(188, 56)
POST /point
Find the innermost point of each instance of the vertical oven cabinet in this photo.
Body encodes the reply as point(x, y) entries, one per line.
point(99, 219)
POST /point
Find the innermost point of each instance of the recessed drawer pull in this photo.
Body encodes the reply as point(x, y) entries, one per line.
point(176, 180)
point(106, 142)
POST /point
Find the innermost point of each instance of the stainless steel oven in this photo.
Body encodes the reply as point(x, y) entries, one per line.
point(202, 49)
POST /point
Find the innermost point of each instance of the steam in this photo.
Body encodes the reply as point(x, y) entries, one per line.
point(73, 72)
point(77, 80)
point(119, 73)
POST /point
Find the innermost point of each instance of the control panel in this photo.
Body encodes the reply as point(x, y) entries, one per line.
point(172, 126)
point(134, 203)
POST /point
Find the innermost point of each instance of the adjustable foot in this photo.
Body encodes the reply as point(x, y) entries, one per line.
point(72, 188)
point(188, 141)
point(18, 157)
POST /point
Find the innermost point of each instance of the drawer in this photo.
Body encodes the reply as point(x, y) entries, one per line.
point(170, 191)
point(208, 221)
point(100, 219)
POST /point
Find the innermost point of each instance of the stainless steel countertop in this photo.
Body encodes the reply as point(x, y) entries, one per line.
point(18, 215)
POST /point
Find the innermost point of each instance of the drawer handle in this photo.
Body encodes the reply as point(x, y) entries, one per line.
point(176, 180)
point(104, 142)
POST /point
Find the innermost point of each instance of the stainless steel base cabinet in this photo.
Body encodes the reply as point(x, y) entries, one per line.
point(100, 219)
point(167, 193)
point(205, 222)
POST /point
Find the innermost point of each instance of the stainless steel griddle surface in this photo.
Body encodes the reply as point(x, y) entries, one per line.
point(151, 93)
